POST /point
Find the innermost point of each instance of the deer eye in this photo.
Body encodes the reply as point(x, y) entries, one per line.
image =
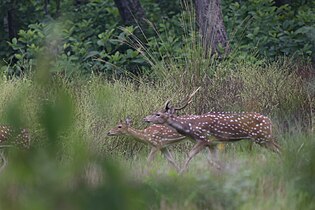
point(119, 126)
point(157, 114)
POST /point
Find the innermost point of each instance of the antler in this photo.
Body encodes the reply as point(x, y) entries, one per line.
point(128, 120)
point(187, 101)
point(167, 106)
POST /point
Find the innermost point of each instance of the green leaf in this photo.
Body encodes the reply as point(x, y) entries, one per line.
point(100, 43)
point(14, 41)
point(91, 54)
point(19, 56)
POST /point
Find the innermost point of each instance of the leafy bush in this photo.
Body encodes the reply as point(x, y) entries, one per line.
point(72, 116)
point(89, 39)
point(258, 26)
point(78, 166)
point(26, 48)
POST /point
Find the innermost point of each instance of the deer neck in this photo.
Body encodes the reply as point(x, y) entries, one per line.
point(178, 125)
point(138, 134)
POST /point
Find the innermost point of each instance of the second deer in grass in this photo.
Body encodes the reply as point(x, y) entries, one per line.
point(19, 137)
point(225, 127)
point(157, 136)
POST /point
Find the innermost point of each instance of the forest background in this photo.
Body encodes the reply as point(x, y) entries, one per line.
point(72, 69)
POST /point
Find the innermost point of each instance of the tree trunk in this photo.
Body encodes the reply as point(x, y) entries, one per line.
point(46, 7)
point(80, 2)
point(211, 27)
point(47, 13)
point(57, 8)
point(12, 21)
point(131, 12)
point(279, 3)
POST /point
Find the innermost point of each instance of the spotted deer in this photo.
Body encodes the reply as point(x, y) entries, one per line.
point(18, 137)
point(159, 137)
point(223, 126)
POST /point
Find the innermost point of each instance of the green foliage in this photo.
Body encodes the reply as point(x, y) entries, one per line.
point(101, 50)
point(73, 164)
point(26, 48)
point(91, 40)
point(22, 9)
point(260, 27)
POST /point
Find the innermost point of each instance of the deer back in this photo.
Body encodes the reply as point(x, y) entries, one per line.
point(162, 133)
point(19, 137)
point(229, 126)
point(224, 126)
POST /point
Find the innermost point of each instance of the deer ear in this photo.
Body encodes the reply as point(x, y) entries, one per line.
point(128, 121)
point(172, 110)
point(167, 106)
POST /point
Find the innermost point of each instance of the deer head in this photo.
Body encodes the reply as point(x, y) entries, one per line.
point(121, 128)
point(161, 116)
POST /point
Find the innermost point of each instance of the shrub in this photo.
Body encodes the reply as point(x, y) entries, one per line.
point(259, 26)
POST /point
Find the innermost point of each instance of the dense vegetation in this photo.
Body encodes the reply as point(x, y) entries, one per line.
point(88, 38)
point(77, 83)
point(74, 164)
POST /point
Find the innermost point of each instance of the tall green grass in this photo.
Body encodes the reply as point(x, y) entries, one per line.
point(73, 164)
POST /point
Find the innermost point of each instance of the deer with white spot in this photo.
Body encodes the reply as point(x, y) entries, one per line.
point(19, 137)
point(223, 126)
point(159, 137)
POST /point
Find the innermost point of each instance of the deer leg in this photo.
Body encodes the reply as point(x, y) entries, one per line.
point(221, 147)
point(273, 146)
point(168, 155)
point(269, 144)
point(213, 159)
point(250, 146)
point(152, 154)
point(4, 161)
point(194, 151)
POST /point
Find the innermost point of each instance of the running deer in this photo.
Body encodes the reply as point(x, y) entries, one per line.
point(157, 136)
point(223, 126)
